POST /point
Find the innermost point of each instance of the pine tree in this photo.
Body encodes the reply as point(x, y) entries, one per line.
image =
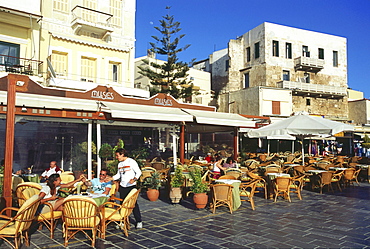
point(168, 77)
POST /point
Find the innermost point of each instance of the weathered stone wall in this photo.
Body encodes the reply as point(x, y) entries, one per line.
point(359, 111)
point(331, 108)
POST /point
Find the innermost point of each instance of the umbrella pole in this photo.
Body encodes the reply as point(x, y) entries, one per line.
point(302, 150)
point(268, 147)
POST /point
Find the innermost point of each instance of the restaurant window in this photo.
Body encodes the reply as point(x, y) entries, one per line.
point(276, 107)
point(88, 69)
point(257, 50)
point(246, 80)
point(288, 50)
point(248, 54)
point(305, 52)
point(60, 5)
point(114, 74)
point(116, 11)
point(286, 75)
point(89, 15)
point(9, 53)
point(308, 101)
point(321, 53)
point(275, 48)
point(59, 62)
point(335, 58)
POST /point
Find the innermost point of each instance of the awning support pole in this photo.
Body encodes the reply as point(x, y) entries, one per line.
point(236, 145)
point(98, 146)
point(89, 151)
point(182, 143)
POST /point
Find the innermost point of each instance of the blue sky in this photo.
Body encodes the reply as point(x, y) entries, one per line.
point(210, 24)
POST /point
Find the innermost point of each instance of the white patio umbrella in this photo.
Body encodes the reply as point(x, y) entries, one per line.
point(301, 126)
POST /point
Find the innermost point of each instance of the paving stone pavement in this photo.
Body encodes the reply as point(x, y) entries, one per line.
point(328, 220)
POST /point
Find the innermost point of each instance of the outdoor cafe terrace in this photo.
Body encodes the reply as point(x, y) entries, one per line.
point(320, 203)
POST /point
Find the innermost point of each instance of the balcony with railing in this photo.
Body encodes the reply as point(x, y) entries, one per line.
point(92, 21)
point(308, 64)
point(19, 65)
point(314, 90)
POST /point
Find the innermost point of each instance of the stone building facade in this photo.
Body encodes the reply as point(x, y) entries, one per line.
point(311, 65)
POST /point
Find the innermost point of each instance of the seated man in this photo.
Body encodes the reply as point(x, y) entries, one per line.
point(100, 185)
point(54, 169)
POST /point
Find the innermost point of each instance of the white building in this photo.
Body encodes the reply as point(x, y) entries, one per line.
point(312, 66)
point(200, 79)
point(72, 44)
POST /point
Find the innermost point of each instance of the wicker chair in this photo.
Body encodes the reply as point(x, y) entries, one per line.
point(80, 214)
point(119, 213)
point(282, 187)
point(158, 165)
point(237, 173)
point(48, 219)
point(17, 227)
point(252, 164)
point(222, 196)
point(22, 186)
point(247, 189)
point(146, 172)
point(325, 179)
point(297, 185)
point(324, 165)
point(355, 176)
point(260, 185)
point(230, 177)
point(348, 175)
point(273, 168)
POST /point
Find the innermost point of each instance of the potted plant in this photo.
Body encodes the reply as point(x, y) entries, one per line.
point(177, 180)
point(199, 188)
point(153, 184)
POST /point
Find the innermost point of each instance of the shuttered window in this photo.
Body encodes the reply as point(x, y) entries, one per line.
point(60, 5)
point(116, 11)
point(88, 69)
point(59, 63)
point(276, 107)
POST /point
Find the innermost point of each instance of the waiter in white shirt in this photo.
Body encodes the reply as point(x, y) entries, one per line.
point(129, 172)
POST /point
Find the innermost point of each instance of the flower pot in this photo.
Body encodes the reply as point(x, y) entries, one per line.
point(200, 200)
point(152, 194)
point(175, 195)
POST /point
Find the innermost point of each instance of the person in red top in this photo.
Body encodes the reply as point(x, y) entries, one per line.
point(209, 158)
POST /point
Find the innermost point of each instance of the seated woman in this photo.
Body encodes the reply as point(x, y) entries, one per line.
point(49, 192)
point(229, 163)
point(217, 167)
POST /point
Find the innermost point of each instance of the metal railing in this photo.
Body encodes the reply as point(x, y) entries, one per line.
point(19, 65)
point(307, 87)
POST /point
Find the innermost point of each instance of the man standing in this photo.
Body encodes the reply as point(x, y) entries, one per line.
point(101, 185)
point(129, 172)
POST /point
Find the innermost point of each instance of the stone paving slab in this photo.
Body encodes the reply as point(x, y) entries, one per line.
point(328, 220)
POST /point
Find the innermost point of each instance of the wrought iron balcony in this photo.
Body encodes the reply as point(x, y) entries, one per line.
point(314, 90)
point(308, 64)
point(93, 21)
point(19, 65)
